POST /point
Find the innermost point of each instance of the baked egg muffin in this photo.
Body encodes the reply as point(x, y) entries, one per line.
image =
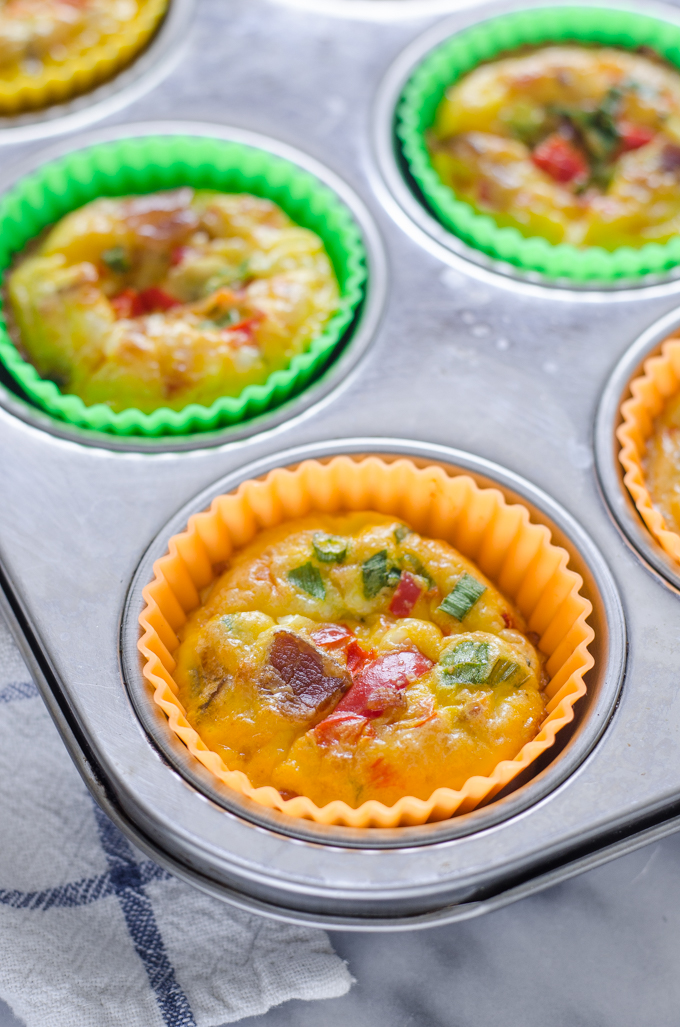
point(575, 144)
point(170, 298)
point(348, 657)
point(662, 463)
point(53, 49)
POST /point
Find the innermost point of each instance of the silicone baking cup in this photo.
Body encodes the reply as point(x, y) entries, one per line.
point(460, 54)
point(649, 393)
point(166, 162)
point(515, 554)
point(58, 82)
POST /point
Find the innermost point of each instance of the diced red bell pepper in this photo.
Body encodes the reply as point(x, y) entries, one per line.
point(382, 772)
point(178, 255)
point(560, 159)
point(484, 194)
point(247, 326)
point(406, 596)
point(130, 303)
point(634, 136)
point(356, 658)
point(346, 727)
point(332, 636)
point(127, 304)
point(154, 300)
point(508, 619)
point(375, 688)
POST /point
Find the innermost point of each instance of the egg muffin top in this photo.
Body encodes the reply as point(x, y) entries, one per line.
point(572, 143)
point(50, 49)
point(170, 298)
point(348, 657)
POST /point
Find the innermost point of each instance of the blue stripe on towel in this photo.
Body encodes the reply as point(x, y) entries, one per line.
point(126, 876)
point(78, 893)
point(18, 690)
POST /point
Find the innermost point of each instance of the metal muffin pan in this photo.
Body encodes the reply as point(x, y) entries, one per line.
point(574, 743)
point(379, 10)
point(478, 371)
point(144, 73)
point(609, 468)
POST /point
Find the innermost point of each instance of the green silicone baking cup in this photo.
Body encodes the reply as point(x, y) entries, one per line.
point(460, 54)
point(142, 165)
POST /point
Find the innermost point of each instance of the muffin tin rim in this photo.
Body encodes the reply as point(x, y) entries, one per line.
point(422, 226)
point(612, 653)
point(362, 335)
point(143, 74)
point(378, 10)
point(610, 472)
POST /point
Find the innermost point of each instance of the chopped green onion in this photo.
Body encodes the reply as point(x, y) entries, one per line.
point(506, 672)
point(116, 259)
point(400, 533)
point(611, 105)
point(527, 123)
point(467, 663)
point(393, 576)
point(463, 597)
point(329, 548)
point(224, 278)
point(308, 578)
point(228, 318)
point(413, 564)
point(374, 574)
point(643, 90)
point(596, 129)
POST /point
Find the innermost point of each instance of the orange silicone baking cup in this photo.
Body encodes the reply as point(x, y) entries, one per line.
point(515, 554)
point(649, 393)
point(57, 83)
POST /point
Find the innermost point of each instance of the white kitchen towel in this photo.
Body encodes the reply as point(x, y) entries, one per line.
point(93, 934)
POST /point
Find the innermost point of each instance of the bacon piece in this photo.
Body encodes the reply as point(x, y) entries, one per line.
point(406, 596)
point(163, 219)
point(670, 158)
point(302, 679)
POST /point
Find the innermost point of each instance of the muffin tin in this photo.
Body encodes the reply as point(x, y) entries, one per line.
point(451, 363)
